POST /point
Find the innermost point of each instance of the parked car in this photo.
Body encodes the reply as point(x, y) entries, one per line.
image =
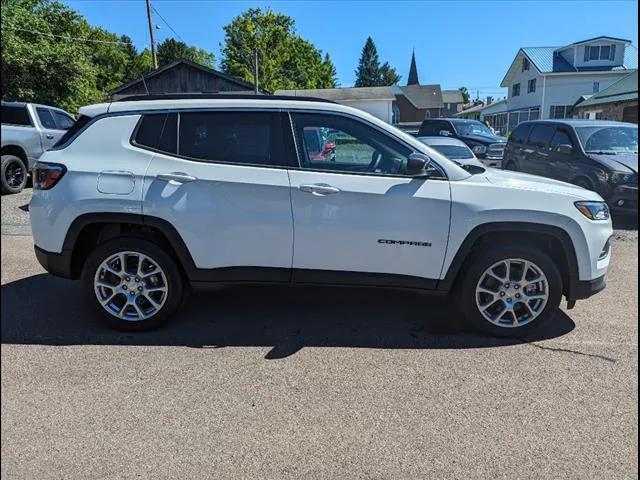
point(454, 149)
point(28, 129)
point(484, 143)
point(598, 155)
point(154, 194)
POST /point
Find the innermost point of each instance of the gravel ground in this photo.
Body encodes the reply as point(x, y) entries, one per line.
point(314, 383)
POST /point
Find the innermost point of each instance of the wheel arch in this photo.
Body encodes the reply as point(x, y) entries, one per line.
point(16, 150)
point(551, 239)
point(91, 229)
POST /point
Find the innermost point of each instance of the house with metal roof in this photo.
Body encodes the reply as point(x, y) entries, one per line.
point(618, 102)
point(378, 101)
point(546, 82)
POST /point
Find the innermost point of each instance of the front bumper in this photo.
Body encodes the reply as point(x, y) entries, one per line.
point(586, 288)
point(624, 199)
point(57, 264)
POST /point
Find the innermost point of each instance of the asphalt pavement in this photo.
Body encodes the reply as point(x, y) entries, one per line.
point(312, 383)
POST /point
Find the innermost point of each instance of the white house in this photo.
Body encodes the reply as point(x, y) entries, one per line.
point(546, 82)
point(378, 101)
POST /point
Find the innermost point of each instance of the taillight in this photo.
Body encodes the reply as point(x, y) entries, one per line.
point(46, 175)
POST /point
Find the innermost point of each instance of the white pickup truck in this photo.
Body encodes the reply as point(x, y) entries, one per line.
point(28, 130)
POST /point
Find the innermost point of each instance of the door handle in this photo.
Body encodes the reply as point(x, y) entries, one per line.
point(176, 177)
point(49, 136)
point(319, 189)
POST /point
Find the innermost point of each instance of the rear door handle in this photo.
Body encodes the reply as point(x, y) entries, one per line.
point(176, 177)
point(319, 189)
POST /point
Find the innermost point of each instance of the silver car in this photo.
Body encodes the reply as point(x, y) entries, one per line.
point(454, 149)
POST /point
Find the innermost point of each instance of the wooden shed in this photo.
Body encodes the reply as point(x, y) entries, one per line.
point(183, 76)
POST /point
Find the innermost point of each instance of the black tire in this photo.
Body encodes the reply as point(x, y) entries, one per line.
point(511, 166)
point(477, 267)
point(13, 175)
point(175, 282)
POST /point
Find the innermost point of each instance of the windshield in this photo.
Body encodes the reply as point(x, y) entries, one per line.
point(471, 127)
point(453, 152)
point(611, 140)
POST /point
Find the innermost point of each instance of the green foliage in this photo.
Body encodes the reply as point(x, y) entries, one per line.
point(171, 50)
point(370, 73)
point(285, 60)
point(465, 94)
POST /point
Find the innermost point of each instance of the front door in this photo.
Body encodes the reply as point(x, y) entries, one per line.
point(224, 186)
point(358, 219)
point(562, 164)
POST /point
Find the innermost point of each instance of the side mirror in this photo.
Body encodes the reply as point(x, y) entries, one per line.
point(417, 165)
point(565, 149)
point(444, 133)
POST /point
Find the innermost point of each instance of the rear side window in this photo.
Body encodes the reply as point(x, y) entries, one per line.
point(150, 130)
point(520, 134)
point(541, 135)
point(15, 115)
point(231, 137)
point(76, 127)
point(46, 119)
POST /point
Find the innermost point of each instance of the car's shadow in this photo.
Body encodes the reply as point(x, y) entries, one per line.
point(50, 311)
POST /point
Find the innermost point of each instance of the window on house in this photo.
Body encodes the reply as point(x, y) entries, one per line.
point(560, 111)
point(586, 53)
point(594, 53)
point(605, 51)
point(612, 53)
point(596, 87)
point(525, 64)
point(531, 87)
point(515, 90)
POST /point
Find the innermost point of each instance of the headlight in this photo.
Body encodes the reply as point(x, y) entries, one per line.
point(594, 210)
point(619, 178)
point(479, 149)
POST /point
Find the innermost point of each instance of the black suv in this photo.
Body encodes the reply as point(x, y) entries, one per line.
point(486, 145)
point(595, 154)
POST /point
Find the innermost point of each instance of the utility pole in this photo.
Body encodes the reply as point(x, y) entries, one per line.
point(154, 59)
point(255, 70)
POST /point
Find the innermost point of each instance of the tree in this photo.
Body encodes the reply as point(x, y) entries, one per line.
point(285, 60)
point(465, 94)
point(171, 50)
point(370, 73)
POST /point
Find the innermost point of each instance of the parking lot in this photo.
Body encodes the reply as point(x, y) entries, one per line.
point(261, 382)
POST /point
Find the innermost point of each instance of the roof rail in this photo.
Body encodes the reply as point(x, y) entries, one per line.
point(219, 96)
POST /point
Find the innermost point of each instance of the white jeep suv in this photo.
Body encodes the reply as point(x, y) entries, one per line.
point(149, 196)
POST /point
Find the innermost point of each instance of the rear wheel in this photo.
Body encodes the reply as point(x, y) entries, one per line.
point(132, 283)
point(13, 174)
point(511, 291)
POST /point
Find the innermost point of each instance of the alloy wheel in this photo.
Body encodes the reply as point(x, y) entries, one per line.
point(131, 286)
point(14, 174)
point(512, 293)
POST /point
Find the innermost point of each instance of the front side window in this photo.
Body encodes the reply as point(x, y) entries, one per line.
point(15, 115)
point(560, 138)
point(609, 140)
point(520, 134)
point(515, 90)
point(46, 119)
point(541, 135)
point(63, 121)
point(341, 144)
point(230, 137)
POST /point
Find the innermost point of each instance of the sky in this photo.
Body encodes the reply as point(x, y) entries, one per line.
point(457, 43)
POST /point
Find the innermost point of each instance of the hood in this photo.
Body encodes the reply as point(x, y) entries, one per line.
point(629, 160)
point(485, 138)
point(524, 181)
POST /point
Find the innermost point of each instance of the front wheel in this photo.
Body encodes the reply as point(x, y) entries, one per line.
point(132, 283)
point(511, 291)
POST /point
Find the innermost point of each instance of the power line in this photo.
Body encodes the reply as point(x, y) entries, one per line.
point(65, 37)
point(167, 23)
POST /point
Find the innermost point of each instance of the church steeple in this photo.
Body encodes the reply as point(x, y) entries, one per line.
point(413, 71)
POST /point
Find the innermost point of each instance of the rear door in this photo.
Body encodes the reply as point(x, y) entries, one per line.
point(359, 219)
point(220, 178)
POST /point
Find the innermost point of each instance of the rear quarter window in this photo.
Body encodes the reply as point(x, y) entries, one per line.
point(15, 115)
